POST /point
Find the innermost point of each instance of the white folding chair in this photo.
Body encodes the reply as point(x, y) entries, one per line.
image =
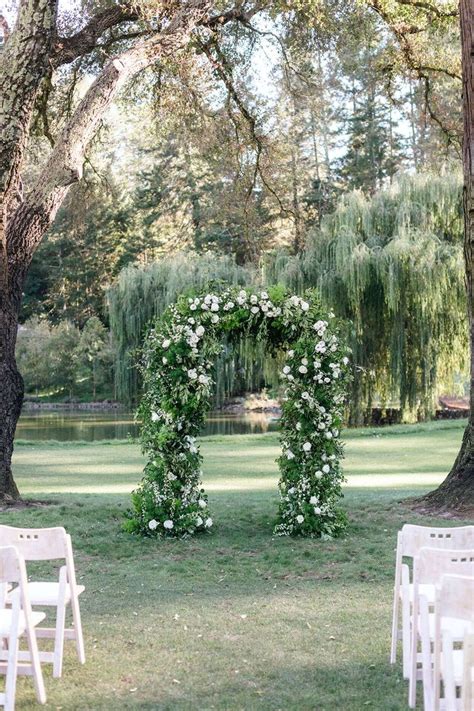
point(430, 565)
point(468, 674)
point(454, 667)
point(16, 621)
point(409, 541)
point(41, 544)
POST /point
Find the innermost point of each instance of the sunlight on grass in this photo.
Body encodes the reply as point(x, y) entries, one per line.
point(235, 619)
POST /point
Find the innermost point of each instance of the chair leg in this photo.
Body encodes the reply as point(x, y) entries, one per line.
point(412, 679)
point(12, 670)
point(36, 666)
point(406, 628)
point(59, 639)
point(396, 602)
point(426, 656)
point(76, 616)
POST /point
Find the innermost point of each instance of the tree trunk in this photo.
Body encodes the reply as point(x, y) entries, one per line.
point(12, 391)
point(457, 491)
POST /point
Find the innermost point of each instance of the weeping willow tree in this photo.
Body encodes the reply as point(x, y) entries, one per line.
point(392, 266)
point(141, 293)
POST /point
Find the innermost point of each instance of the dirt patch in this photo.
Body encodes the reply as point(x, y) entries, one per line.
point(20, 505)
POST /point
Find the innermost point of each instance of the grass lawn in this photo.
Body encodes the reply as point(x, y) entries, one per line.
point(235, 619)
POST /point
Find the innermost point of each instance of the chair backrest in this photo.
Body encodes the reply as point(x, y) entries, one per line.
point(456, 597)
point(431, 564)
point(12, 566)
point(415, 537)
point(36, 543)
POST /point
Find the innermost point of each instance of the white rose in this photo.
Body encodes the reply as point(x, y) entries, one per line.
point(192, 374)
point(317, 510)
point(203, 379)
point(152, 524)
point(291, 354)
point(298, 426)
point(168, 524)
point(318, 474)
point(214, 307)
point(255, 309)
point(304, 361)
point(215, 318)
point(208, 522)
point(313, 500)
point(264, 295)
point(326, 469)
point(287, 369)
point(253, 299)
point(164, 360)
point(294, 300)
point(193, 307)
point(166, 343)
point(200, 331)
point(328, 435)
point(292, 490)
point(305, 395)
point(307, 446)
point(290, 455)
point(300, 518)
point(345, 360)
point(199, 521)
point(202, 504)
point(155, 417)
point(303, 369)
point(304, 305)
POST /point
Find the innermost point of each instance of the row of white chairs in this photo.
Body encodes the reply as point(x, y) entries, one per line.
point(434, 596)
point(18, 597)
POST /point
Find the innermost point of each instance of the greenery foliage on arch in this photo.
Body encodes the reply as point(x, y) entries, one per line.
point(178, 358)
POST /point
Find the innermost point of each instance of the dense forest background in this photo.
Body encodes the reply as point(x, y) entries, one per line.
point(327, 160)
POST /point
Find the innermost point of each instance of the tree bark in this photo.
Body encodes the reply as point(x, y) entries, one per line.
point(12, 390)
point(456, 493)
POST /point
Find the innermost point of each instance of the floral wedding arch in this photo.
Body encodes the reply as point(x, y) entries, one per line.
point(178, 358)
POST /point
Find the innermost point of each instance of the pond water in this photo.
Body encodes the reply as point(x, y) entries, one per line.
point(73, 425)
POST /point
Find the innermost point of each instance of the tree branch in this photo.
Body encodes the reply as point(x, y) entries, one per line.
point(220, 66)
point(64, 167)
point(67, 49)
